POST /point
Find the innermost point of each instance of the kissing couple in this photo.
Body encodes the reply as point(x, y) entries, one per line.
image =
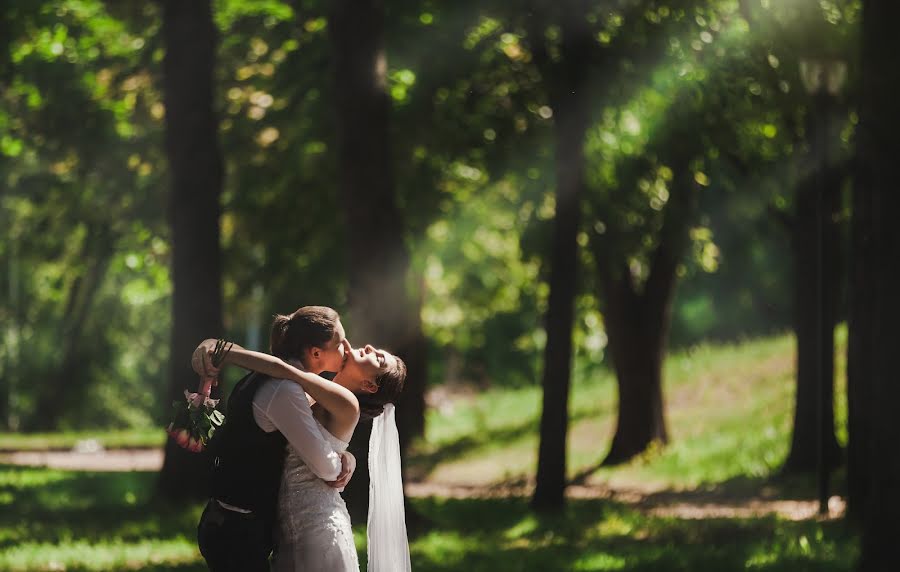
point(280, 461)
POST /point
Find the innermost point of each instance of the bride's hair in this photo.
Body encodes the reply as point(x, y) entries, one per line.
point(309, 326)
point(390, 383)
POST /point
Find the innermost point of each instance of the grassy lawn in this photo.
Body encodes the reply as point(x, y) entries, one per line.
point(68, 520)
point(729, 411)
point(502, 534)
point(78, 521)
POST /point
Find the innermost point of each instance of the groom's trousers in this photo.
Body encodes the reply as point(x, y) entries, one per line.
point(232, 541)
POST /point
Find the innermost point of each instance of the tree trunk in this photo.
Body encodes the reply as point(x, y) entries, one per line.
point(411, 423)
point(637, 323)
point(8, 384)
point(381, 310)
point(569, 102)
point(195, 165)
point(859, 346)
point(636, 343)
point(815, 292)
point(66, 385)
point(879, 149)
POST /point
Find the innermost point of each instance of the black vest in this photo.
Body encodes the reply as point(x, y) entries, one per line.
point(247, 461)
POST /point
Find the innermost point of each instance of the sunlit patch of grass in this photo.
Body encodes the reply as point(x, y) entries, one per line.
point(110, 554)
point(27, 478)
point(600, 561)
point(109, 439)
point(503, 534)
point(69, 520)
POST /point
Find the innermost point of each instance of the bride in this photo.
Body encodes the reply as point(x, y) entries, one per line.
point(313, 525)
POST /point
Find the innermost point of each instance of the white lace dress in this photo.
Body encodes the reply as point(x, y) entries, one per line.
point(313, 530)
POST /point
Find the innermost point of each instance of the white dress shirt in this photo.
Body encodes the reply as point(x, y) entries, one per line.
point(281, 405)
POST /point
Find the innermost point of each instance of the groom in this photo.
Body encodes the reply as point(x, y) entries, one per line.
point(264, 414)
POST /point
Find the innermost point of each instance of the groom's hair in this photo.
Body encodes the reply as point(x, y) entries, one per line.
point(309, 326)
point(390, 384)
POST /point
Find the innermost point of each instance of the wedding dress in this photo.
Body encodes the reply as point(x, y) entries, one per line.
point(313, 530)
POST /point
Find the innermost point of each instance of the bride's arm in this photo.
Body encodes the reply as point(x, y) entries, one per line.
point(336, 399)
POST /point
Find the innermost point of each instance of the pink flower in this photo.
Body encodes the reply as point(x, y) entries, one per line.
point(195, 400)
point(182, 438)
point(196, 418)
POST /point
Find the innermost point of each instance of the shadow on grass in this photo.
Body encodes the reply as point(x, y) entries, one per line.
point(745, 488)
point(48, 506)
point(503, 534)
point(420, 465)
point(65, 510)
point(777, 486)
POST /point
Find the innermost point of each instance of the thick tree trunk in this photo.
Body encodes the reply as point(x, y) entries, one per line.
point(195, 165)
point(381, 310)
point(879, 149)
point(637, 323)
point(815, 298)
point(636, 342)
point(570, 106)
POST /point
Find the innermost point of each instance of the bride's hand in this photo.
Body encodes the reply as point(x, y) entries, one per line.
point(348, 466)
point(201, 361)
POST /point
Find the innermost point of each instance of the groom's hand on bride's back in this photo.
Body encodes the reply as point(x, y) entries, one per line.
point(348, 465)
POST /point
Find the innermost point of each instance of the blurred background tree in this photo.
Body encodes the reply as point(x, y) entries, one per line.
point(195, 189)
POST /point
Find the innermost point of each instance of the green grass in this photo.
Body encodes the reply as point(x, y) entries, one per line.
point(729, 410)
point(120, 439)
point(503, 534)
point(77, 521)
point(68, 520)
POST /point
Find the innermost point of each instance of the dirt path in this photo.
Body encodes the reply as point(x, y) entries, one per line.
point(675, 504)
point(98, 460)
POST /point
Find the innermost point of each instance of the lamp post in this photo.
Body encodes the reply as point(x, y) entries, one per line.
point(822, 79)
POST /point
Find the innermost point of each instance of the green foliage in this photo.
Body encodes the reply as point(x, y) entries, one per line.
point(471, 189)
point(83, 120)
point(480, 285)
point(281, 224)
point(84, 179)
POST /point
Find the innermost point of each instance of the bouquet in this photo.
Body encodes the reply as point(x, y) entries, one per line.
point(196, 418)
